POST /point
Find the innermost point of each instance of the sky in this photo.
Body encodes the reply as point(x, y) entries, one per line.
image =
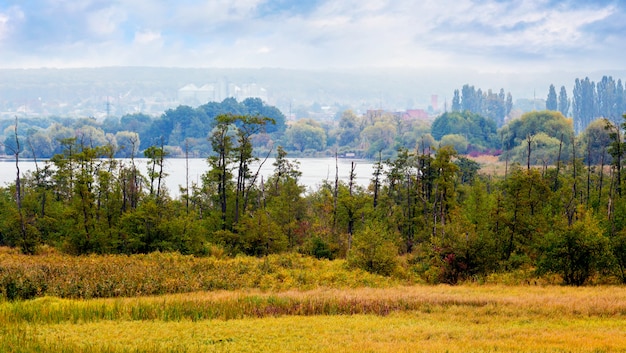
point(490, 36)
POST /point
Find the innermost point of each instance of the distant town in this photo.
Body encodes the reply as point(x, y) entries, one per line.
point(99, 93)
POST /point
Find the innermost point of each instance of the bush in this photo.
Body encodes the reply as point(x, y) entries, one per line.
point(374, 250)
point(319, 248)
point(17, 285)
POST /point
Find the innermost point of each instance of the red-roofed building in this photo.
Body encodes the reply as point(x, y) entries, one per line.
point(415, 114)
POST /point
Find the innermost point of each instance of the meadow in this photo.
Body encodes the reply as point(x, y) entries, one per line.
point(173, 303)
point(478, 318)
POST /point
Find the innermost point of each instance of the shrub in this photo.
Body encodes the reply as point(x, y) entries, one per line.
point(319, 248)
point(374, 250)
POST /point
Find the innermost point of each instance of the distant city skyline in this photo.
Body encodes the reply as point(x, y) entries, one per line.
point(486, 36)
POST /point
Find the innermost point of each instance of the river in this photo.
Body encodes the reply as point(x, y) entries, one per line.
point(314, 171)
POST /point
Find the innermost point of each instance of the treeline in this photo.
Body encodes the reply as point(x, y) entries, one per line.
point(537, 138)
point(590, 101)
point(182, 131)
point(495, 106)
point(430, 205)
point(477, 123)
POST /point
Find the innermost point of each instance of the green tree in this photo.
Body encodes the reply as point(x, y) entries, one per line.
point(378, 137)
point(458, 141)
point(220, 173)
point(156, 163)
point(128, 144)
point(140, 124)
point(544, 151)
point(617, 149)
point(283, 197)
point(575, 252)
point(374, 250)
point(551, 101)
point(468, 169)
point(549, 126)
point(39, 144)
point(445, 192)
point(84, 234)
point(256, 107)
point(564, 102)
point(306, 134)
point(596, 141)
point(456, 101)
point(583, 103)
point(478, 130)
point(259, 235)
point(349, 129)
point(520, 215)
point(246, 127)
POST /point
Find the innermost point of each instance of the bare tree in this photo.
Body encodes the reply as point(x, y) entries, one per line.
point(529, 141)
point(26, 246)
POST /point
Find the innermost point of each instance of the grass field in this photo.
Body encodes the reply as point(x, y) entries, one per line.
point(490, 165)
point(488, 318)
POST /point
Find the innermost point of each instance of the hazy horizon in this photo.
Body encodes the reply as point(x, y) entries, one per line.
point(392, 54)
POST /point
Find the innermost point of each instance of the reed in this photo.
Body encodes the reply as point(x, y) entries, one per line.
point(106, 276)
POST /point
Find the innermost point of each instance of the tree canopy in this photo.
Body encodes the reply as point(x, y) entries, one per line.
point(478, 131)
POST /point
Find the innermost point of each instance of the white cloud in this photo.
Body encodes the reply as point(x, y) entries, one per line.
point(4, 28)
point(10, 18)
point(346, 33)
point(106, 21)
point(147, 37)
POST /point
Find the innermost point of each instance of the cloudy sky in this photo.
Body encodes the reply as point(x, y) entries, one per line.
point(490, 35)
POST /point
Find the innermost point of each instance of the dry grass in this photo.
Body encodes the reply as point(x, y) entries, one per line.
point(102, 276)
point(285, 304)
point(490, 165)
point(450, 331)
point(401, 319)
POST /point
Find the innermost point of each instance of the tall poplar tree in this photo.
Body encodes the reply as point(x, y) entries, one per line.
point(551, 101)
point(564, 103)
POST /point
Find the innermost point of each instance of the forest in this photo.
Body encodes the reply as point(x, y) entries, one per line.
point(428, 212)
point(430, 205)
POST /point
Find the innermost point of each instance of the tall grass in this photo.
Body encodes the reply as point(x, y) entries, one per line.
point(229, 305)
point(105, 276)
point(400, 319)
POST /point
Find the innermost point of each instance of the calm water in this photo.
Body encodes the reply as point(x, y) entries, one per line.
point(314, 171)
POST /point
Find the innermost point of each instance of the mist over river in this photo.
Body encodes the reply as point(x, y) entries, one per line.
point(314, 171)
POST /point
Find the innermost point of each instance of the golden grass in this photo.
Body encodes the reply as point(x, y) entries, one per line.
point(400, 319)
point(284, 304)
point(449, 331)
point(101, 276)
point(490, 165)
